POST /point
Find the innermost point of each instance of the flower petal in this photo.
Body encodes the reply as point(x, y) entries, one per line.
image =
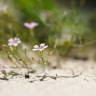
point(42, 45)
point(36, 46)
point(31, 25)
point(45, 47)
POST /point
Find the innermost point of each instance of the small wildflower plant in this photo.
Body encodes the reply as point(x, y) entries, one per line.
point(40, 50)
point(12, 45)
point(30, 26)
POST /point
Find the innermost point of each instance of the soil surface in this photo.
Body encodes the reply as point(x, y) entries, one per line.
point(75, 78)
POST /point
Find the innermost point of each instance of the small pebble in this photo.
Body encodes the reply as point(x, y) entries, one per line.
point(27, 76)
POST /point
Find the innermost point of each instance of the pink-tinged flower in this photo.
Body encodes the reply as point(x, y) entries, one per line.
point(40, 47)
point(31, 25)
point(14, 42)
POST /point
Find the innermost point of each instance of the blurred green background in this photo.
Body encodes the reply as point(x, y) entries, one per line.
point(63, 24)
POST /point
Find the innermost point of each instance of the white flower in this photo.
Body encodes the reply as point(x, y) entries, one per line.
point(31, 25)
point(14, 42)
point(40, 47)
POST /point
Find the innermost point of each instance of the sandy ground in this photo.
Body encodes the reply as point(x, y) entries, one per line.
point(82, 85)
